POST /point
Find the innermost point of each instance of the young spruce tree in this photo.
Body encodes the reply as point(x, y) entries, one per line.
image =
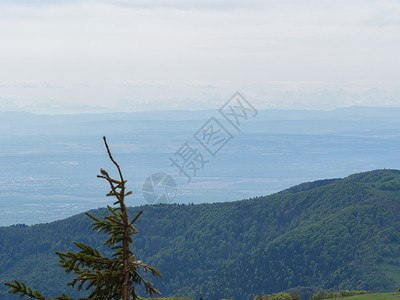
point(106, 277)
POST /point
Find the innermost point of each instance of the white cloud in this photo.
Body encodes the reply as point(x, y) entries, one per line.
point(141, 84)
point(150, 4)
point(159, 50)
point(202, 84)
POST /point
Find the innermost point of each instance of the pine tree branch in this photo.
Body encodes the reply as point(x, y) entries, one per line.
point(112, 159)
point(21, 288)
point(134, 220)
point(107, 278)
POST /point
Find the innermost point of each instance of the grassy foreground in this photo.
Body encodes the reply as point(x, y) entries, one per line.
point(168, 298)
point(378, 296)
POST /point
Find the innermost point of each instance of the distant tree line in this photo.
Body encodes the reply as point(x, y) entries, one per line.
point(279, 296)
point(294, 295)
point(335, 295)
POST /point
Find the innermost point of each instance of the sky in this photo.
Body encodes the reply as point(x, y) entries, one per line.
point(108, 55)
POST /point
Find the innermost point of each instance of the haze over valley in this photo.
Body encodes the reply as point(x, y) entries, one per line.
point(49, 163)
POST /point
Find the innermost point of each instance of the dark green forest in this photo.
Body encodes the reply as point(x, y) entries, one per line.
point(329, 234)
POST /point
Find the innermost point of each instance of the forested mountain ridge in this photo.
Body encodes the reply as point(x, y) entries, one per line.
point(339, 233)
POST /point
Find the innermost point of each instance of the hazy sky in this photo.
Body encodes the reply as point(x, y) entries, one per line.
point(65, 56)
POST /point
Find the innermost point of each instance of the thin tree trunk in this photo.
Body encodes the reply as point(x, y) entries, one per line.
point(126, 269)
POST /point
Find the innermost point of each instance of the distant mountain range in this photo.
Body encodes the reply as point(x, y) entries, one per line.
point(337, 233)
point(261, 97)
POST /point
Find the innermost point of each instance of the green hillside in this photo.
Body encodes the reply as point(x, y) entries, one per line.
point(330, 234)
point(378, 296)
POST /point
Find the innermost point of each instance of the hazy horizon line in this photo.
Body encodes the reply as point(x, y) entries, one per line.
point(192, 110)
